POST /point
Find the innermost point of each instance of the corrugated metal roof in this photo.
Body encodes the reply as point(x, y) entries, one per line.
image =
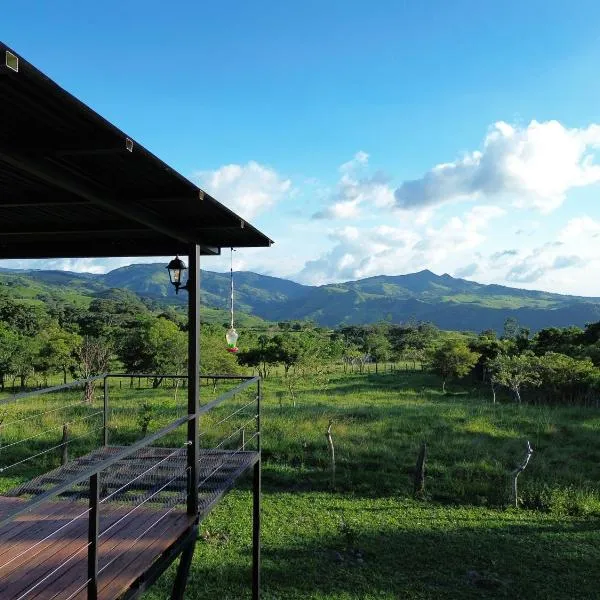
point(73, 185)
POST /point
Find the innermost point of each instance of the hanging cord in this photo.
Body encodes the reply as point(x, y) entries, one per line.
point(231, 271)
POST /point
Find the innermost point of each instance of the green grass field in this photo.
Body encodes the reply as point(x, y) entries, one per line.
point(367, 537)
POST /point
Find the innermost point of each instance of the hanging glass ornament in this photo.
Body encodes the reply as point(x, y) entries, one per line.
point(232, 338)
point(232, 335)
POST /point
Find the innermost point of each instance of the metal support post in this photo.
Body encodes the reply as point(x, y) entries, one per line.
point(193, 287)
point(93, 526)
point(256, 533)
point(256, 489)
point(183, 568)
point(105, 422)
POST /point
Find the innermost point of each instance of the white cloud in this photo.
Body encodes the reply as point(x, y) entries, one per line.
point(359, 159)
point(246, 189)
point(81, 265)
point(390, 250)
point(561, 265)
point(581, 229)
point(534, 166)
point(353, 191)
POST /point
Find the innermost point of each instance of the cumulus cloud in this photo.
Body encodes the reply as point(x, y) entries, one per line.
point(353, 191)
point(533, 166)
point(580, 229)
point(247, 189)
point(81, 265)
point(386, 249)
point(467, 271)
point(540, 262)
point(503, 254)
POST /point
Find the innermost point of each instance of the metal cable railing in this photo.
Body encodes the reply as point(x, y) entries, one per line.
point(140, 486)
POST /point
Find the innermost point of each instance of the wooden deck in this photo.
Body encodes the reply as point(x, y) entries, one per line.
point(43, 553)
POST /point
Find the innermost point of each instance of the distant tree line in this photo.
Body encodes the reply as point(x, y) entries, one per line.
point(554, 366)
point(119, 331)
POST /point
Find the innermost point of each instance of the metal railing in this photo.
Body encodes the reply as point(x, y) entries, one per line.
point(154, 484)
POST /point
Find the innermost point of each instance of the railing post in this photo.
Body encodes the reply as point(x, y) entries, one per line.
point(105, 422)
point(256, 492)
point(93, 526)
point(193, 455)
point(258, 403)
point(64, 457)
point(256, 488)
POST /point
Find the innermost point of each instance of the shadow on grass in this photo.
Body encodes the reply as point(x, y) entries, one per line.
point(524, 561)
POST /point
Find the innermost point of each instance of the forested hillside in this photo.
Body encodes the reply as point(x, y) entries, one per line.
point(447, 302)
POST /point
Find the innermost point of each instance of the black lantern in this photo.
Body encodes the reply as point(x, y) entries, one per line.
point(176, 269)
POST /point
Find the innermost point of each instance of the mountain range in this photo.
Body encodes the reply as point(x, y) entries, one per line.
point(448, 302)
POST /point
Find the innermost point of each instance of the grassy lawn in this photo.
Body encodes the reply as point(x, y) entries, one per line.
point(366, 537)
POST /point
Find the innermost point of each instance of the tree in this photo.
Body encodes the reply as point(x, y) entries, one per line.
point(563, 340)
point(57, 350)
point(214, 357)
point(488, 346)
point(93, 357)
point(155, 345)
point(453, 359)
point(511, 329)
point(377, 346)
point(414, 355)
point(513, 372)
point(289, 350)
point(567, 379)
point(24, 358)
point(261, 357)
point(8, 348)
point(313, 358)
point(352, 355)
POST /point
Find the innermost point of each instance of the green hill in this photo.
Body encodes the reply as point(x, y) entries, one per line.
point(448, 302)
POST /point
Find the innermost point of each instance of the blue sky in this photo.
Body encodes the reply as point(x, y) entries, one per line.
point(364, 137)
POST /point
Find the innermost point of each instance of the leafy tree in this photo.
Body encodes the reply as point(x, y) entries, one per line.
point(352, 355)
point(9, 340)
point(567, 379)
point(289, 349)
point(511, 328)
point(24, 358)
point(167, 345)
point(488, 346)
point(377, 346)
point(108, 316)
point(312, 360)
point(565, 340)
point(513, 372)
point(261, 357)
point(214, 358)
point(26, 320)
point(414, 355)
point(155, 345)
point(57, 350)
point(453, 359)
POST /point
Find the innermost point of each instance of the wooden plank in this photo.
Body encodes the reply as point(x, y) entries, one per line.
point(28, 569)
point(133, 565)
point(63, 585)
point(35, 525)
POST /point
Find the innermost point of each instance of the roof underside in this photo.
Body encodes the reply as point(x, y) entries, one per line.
point(73, 185)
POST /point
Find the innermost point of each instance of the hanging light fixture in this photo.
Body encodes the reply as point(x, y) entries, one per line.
point(176, 270)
